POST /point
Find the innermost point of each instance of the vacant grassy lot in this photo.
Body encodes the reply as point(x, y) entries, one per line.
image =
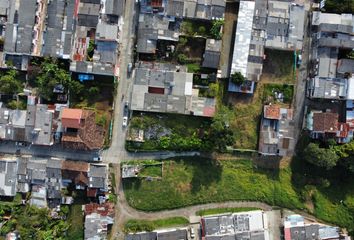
point(76, 220)
point(196, 180)
point(272, 91)
point(192, 181)
point(168, 132)
point(278, 66)
point(213, 211)
point(145, 225)
point(247, 119)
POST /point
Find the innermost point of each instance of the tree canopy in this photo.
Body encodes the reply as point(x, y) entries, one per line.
point(9, 83)
point(52, 74)
point(220, 133)
point(237, 78)
point(321, 157)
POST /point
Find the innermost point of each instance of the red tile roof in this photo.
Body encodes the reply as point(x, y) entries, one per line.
point(272, 111)
point(105, 209)
point(325, 122)
point(89, 136)
point(75, 166)
point(71, 118)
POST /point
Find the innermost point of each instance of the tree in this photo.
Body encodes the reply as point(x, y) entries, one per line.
point(93, 92)
point(16, 105)
point(201, 30)
point(215, 30)
point(321, 157)
point(213, 90)
point(221, 135)
point(182, 41)
point(9, 84)
point(90, 50)
point(182, 59)
point(237, 78)
point(187, 28)
point(52, 74)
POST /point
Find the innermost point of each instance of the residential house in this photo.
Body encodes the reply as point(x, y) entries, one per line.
point(95, 46)
point(141, 236)
point(23, 178)
point(332, 30)
point(97, 175)
point(194, 9)
point(163, 234)
point(8, 178)
point(39, 196)
point(59, 29)
point(75, 173)
point(263, 24)
point(345, 67)
point(326, 125)
point(168, 88)
point(296, 228)
point(277, 131)
point(153, 28)
point(244, 225)
point(328, 88)
point(80, 130)
point(33, 125)
point(211, 55)
point(23, 32)
point(96, 226)
point(54, 181)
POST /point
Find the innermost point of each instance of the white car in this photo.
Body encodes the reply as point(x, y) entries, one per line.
point(125, 121)
point(192, 232)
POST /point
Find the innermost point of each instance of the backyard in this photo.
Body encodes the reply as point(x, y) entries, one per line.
point(191, 181)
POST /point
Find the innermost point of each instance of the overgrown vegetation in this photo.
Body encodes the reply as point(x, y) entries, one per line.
point(32, 223)
point(339, 6)
point(52, 74)
point(183, 133)
point(191, 181)
point(10, 83)
point(213, 211)
point(145, 225)
point(278, 93)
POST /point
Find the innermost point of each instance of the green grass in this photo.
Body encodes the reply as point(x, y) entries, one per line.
point(269, 89)
point(191, 181)
point(194, 180)
point(185, 131)
point(280, 64)
point(76, 220)
point(193, 67)
point(145, 225)
point(151, 171)
point(213, 211)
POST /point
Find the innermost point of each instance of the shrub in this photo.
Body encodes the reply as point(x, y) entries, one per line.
point(182, 59)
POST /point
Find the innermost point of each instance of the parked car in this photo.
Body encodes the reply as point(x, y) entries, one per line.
point(125, 121)
point(192, 232)
point(97, 159)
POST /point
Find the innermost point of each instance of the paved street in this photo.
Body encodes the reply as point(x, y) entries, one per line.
point(9, 147)
point(126, 41)
point(300, 91)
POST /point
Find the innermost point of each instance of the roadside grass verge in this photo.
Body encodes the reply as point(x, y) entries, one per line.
point(214, 211)
point(146, 225)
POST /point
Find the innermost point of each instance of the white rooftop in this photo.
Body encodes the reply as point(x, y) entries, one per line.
point(243, 37)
